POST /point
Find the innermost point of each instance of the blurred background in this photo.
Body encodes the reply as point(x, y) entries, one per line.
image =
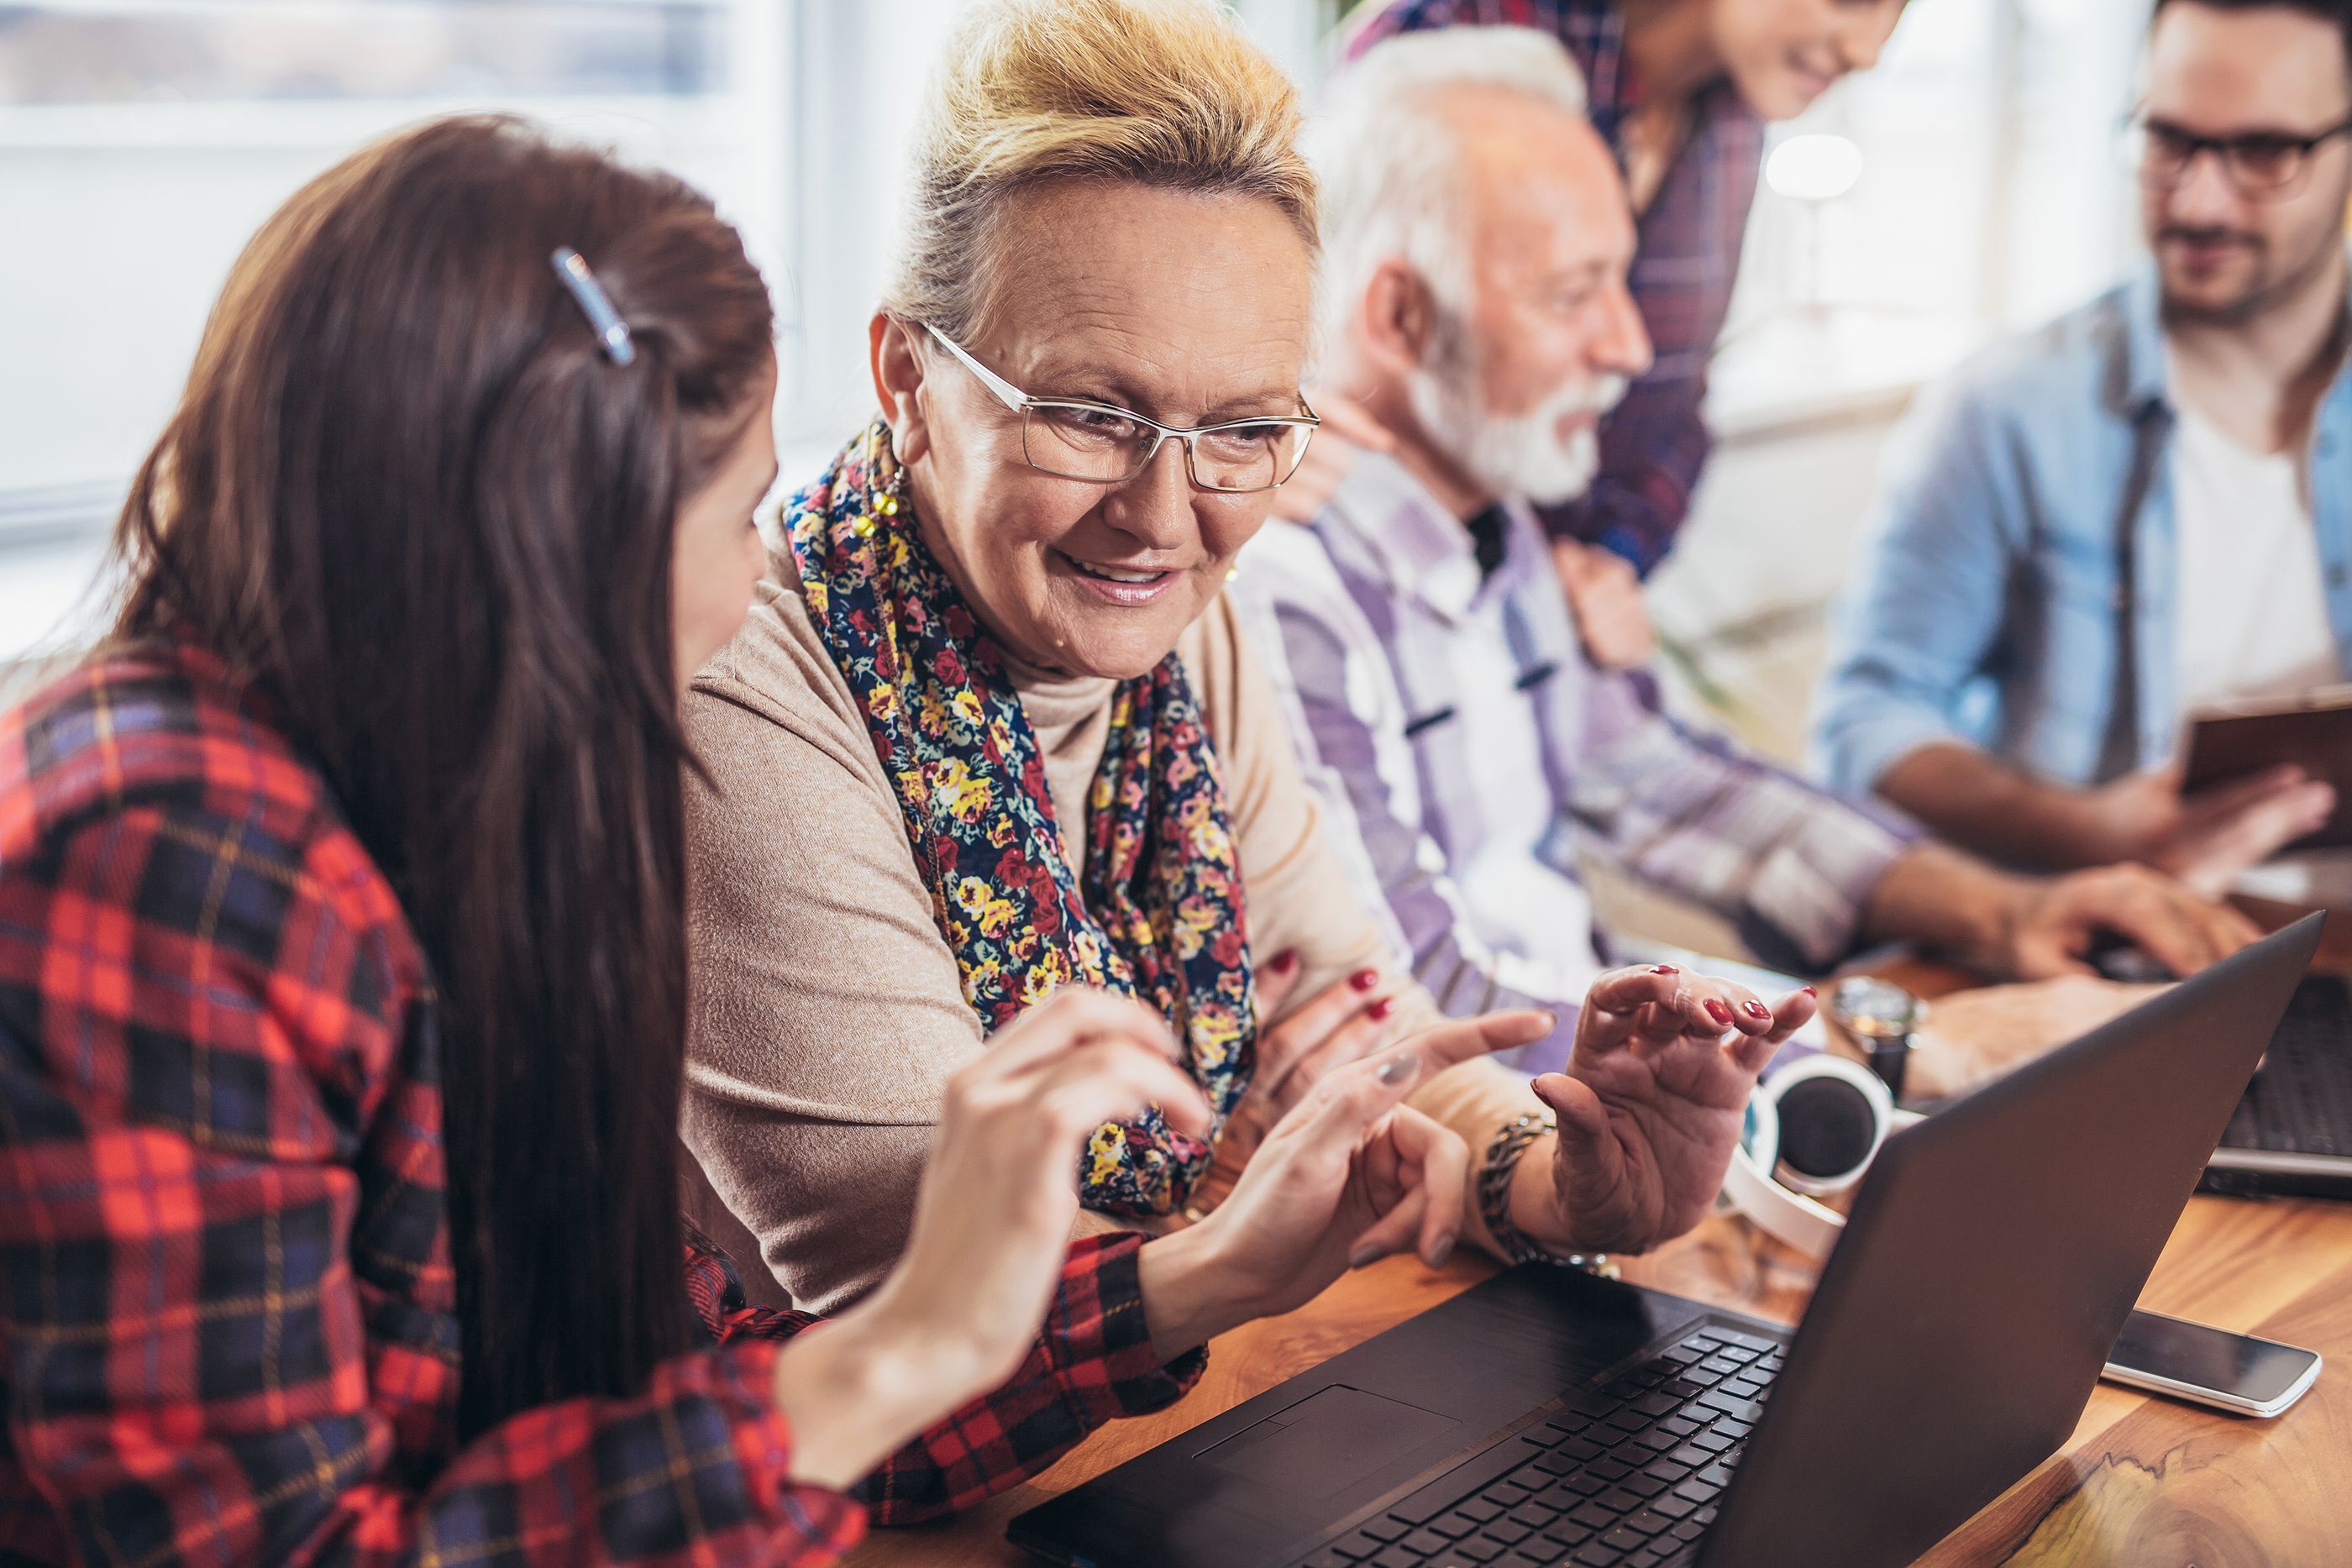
point(1968, 185)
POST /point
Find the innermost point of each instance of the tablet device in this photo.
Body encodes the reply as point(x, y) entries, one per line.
point(2312, 729)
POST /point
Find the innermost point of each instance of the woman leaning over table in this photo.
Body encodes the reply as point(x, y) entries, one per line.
point(991, 727)
point(343, 967)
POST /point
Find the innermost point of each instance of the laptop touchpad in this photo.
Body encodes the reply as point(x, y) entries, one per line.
point(1327, 1442)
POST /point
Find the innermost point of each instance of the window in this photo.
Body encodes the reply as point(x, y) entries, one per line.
point(141, 141)
point(1986, 195)
point(395, 50)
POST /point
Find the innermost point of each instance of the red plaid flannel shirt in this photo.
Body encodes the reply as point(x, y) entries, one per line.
point(226, 1305)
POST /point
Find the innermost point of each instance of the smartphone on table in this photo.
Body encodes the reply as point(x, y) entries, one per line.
point(2231, 1372)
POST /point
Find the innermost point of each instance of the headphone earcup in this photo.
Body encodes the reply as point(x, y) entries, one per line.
point(1812, 1128)
point(1809, 1226)
point(1832, 1116)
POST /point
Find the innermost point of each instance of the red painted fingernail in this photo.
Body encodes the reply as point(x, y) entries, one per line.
point(1811, 992)
point(1381, 1009)
point(1717, 1011)
point(1364, 979)
point(1758, 1010)
point(1284, 962)
point(1665, 969)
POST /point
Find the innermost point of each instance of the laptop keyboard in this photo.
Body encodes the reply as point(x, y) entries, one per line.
point(1624, 1474)
point(2301, 1101)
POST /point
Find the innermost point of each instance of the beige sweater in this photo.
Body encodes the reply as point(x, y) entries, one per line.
point(827, 1013)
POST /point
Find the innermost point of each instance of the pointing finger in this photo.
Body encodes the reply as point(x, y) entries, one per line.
point(1451, 1044)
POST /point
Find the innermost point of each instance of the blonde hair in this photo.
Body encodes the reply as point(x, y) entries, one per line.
point(1166, 93)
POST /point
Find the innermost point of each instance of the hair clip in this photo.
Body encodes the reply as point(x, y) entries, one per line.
point(612, 332)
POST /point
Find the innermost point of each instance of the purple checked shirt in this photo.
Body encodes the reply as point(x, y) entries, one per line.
point(1654, 444)
point(1465, 749)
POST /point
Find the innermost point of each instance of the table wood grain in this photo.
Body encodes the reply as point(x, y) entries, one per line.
point(2143, 1481)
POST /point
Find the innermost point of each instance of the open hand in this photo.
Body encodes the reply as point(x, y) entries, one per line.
point(1650, 1106)
point(1972, 1037)
point(2054, 924)
point(2205, 839)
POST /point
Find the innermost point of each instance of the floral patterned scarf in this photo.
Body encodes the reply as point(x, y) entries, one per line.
point(1157, 912)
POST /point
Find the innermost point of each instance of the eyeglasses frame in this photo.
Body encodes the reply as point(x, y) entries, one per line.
point(2136, 123)
point(1020, 402)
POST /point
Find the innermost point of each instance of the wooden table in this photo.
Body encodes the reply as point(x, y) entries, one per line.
point(2142, 1481)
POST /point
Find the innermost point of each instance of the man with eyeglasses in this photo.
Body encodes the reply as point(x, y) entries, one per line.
point(2141, 510)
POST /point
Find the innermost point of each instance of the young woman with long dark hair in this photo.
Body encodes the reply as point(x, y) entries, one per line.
point(343, 966)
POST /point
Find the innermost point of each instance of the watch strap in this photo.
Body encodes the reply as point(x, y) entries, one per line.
point(1494, 1176)
point(1890, 1058)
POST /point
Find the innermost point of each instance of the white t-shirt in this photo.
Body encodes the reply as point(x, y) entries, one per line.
point(2251, 617)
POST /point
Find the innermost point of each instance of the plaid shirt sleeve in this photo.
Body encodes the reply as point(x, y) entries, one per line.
point(199, 1055)
point(224, 1289)
point(1374, 20)
point(1093, 1362)
point(1791, 865)
point(1653, 445)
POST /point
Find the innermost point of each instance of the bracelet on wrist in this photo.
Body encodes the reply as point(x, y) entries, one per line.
point(1494, 1178)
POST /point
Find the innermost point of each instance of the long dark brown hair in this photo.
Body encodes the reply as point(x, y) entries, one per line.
point(409, 498)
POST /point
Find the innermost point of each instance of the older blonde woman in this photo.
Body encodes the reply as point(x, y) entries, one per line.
point(992, 728)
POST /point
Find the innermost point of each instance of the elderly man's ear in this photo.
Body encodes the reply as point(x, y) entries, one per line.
point(1399, 318)
point(898, 382)
point(1395, 320)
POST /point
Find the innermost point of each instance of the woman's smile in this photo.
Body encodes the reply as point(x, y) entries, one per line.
point(1130, 585)
point(1197, 305)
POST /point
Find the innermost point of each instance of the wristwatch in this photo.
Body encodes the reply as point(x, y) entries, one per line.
point(1883, 1019)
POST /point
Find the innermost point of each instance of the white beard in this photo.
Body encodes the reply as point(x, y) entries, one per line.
point(1520, 457)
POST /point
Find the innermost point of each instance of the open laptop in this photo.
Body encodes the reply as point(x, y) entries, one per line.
point(1546, 1415)
point(2292, 1131)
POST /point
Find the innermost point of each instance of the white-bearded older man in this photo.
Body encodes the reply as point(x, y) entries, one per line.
point(1448, 714)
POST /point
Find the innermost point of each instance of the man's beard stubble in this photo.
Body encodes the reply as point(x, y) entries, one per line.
point(2261, 295)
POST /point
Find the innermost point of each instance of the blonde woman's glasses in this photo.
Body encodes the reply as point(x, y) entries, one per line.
point(1109, 446)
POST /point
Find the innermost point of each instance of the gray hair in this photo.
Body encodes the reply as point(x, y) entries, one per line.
point(1390, 163)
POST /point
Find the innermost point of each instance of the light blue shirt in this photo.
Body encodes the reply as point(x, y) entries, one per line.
point(2018, 591)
